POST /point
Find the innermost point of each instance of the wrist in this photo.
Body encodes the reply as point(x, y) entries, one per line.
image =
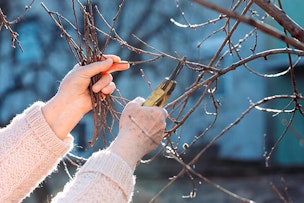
point(61, 116)
point(126, 151)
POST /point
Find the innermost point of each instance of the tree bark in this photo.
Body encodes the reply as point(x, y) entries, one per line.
point(282, 18)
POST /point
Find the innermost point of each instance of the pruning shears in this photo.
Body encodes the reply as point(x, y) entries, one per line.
point(162, 93)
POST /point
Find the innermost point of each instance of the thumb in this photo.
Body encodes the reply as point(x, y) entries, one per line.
point(138, 100)
point(97, 67)
point(118, 64)
point(118, 67)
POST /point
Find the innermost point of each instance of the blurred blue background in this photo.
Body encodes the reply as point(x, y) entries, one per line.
point(35, 74)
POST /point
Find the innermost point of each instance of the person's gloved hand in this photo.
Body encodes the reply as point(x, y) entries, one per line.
point(73, 100)
point(141, 130)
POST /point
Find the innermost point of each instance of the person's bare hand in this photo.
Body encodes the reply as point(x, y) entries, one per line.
point(74, 86)
point(73, 100)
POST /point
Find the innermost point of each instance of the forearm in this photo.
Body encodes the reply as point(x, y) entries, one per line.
point(29, 152)
point(105, 177)
point(63, 115)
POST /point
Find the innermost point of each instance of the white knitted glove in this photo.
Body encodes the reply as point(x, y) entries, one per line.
point(141, 130)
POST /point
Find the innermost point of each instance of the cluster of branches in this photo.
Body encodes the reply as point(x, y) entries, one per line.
point(86, 49)
point(207, 74)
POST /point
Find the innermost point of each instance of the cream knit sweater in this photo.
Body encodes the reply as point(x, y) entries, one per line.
point(30, 151)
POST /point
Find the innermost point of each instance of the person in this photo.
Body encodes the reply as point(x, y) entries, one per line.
point(36, 140)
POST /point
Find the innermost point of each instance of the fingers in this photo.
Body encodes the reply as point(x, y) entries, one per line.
point(165, 112)
point(104, 67)
point(104, 85)
point(109, 89)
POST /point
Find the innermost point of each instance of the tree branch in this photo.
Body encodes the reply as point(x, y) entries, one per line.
point(282, 18)
point(250, 21)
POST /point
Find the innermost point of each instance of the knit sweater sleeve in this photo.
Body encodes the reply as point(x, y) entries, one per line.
point(29, 152)
point(105, 178)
